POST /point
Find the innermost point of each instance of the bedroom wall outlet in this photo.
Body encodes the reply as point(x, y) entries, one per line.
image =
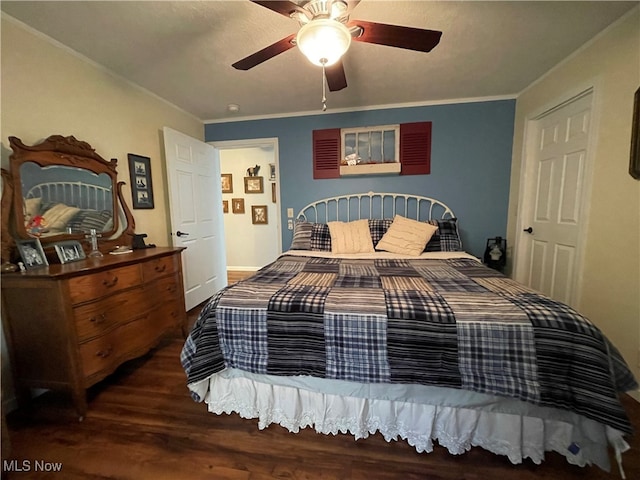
point(289, 213)
point(290, 224)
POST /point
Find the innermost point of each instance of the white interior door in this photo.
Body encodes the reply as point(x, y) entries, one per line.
point(554, 201)
point(195, 201)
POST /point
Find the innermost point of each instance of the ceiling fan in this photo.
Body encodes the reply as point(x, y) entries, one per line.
point(326, 32)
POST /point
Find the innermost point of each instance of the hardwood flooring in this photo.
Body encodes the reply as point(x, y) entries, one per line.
point(142, 424)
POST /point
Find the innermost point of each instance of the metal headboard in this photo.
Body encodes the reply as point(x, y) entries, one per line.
point(75, 194)
point(374, 205)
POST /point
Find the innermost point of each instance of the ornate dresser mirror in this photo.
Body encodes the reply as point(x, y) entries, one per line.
point(59, 190)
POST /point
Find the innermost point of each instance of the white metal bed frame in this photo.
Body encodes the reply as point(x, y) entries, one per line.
point(377, 205)
point(75, 194)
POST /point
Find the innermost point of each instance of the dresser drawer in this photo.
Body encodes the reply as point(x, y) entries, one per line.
point(101, 356)
point(94, 319)
point(99, 284)
point(165, 288)
point(160, 266)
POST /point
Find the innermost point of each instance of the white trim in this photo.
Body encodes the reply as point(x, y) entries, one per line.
point(451, 101)
point(241, 269)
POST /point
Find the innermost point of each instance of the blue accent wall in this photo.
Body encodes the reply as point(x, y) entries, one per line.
point(470, 161)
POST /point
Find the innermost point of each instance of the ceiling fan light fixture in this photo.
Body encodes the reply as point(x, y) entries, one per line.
point(323, 41)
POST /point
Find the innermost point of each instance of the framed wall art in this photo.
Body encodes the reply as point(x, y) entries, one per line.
point(227, 183)
point(141, 186)
point(259, 214)
point(253, 185)
point(634, 161)
point(70, 251)
point(237, 205)
point(225, 206)
point(32, 253)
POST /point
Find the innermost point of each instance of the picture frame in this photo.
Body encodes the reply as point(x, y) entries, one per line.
point(69, 251)
point(225, 206)
point(272, 172)
point(141, 185)
point(273, 193)
point(253, 185)
point(227, 182)
point(634, 160)
point(32, 253)
point(259, 215)
point(237, 205)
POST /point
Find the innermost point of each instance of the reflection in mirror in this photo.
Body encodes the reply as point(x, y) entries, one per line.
point(59, 199)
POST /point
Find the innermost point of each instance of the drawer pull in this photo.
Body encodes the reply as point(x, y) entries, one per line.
point(110, 283)
point(105, 353)
point(99, 319)
point(161, 269)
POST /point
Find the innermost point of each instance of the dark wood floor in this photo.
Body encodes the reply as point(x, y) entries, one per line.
point(142, 425)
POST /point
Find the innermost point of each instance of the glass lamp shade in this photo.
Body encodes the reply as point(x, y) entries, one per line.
point(323, 41)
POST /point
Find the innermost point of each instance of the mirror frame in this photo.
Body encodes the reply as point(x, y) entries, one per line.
point(63, 151)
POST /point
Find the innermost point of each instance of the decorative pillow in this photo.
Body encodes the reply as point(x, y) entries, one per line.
point(406, 236)
point(301, 235)
point(446, 238)
point(32, 207)
point(378, 228)
point(320, 237)
point(350, 237)
point(59, 215)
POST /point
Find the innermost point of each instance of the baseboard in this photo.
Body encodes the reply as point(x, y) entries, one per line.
point(242, 269)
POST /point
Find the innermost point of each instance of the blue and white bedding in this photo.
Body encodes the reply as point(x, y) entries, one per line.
point(441, 319)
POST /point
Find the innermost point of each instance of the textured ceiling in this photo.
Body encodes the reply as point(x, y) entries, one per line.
point(182, 51)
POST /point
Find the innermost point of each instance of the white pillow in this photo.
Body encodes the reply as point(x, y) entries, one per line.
point(351, 237)
point(59, 215)
point(406, 236)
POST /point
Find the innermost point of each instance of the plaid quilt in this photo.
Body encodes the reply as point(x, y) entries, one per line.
point(452, 323)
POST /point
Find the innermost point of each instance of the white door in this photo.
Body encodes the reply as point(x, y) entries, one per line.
point(195, 205)
point(554, 202)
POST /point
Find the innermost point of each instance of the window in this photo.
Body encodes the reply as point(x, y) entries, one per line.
point(403, 149)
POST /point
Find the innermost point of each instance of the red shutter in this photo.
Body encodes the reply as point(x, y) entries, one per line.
point(415, 148)
point(326, 153)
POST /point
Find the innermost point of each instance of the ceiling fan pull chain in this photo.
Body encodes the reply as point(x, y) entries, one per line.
point(324, 95)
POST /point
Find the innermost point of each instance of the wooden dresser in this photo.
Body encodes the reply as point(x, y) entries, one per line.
point(70, 325)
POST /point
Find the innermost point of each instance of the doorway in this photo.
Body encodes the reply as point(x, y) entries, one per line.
point(554, 198)
point(251, 202)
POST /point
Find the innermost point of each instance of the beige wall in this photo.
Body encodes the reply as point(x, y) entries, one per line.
point(47, 90)
point(610, 294)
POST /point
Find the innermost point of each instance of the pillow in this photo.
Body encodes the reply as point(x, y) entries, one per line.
point(446, 238)
point(378, 228)
point(59, 215)
point(406, 236)
point(32, 207)
point(351, 237)
point(320, 237)
point(301, 235)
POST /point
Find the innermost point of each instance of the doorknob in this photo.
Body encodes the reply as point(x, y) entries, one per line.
point(528, 230)
point(182, 234)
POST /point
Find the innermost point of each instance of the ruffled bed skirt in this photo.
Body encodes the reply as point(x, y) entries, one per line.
point(518, 436)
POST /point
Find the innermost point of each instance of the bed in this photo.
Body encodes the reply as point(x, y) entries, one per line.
point(51, 208)
point(376, 320)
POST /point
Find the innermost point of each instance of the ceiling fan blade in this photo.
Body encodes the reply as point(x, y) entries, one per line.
point(336, 78)
point(283, 7)
point(397, 36)
point(265, 54)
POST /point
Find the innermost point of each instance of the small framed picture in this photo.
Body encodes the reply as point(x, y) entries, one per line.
point(70, 251)
point(253, 185)
point(273, 193)
point(141, 186)
point(259, 214)
point(32, 253)
point(272, 172)
point(237, 205)
point(225, 206)
point(227, 183)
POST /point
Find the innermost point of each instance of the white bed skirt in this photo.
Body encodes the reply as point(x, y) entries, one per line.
point(518, 436)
